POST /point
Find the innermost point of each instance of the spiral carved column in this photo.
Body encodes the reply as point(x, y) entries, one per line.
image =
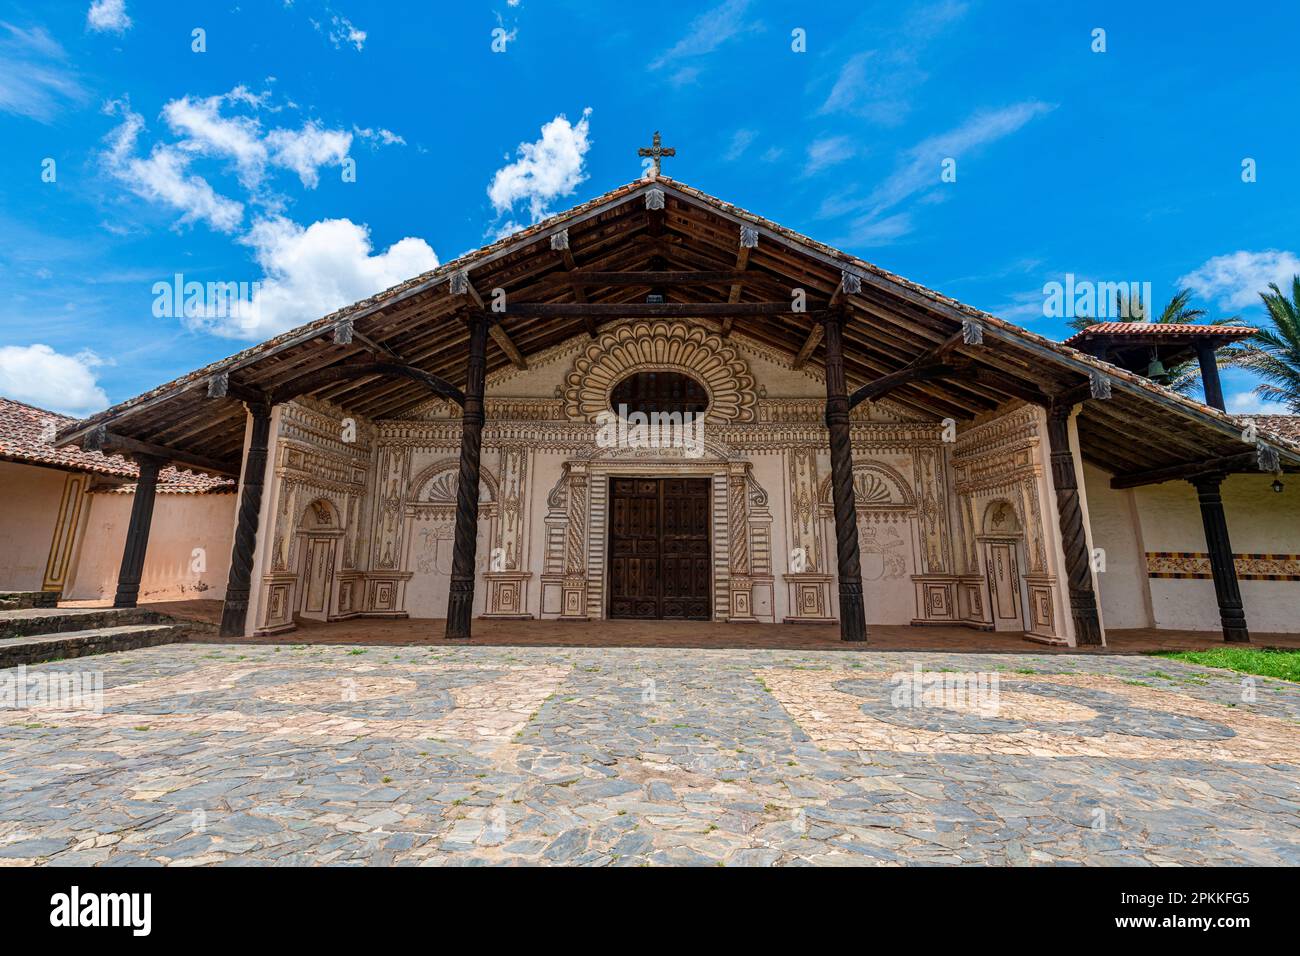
point(853, 620)
point(234, 612)
point(137, 532)
point(1074, 540)
point(1232, 614)
point(460, 596)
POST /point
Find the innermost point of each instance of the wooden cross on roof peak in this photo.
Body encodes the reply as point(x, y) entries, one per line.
point(657, 152)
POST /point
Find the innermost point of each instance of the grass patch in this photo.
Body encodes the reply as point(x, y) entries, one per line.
point(1266, 662)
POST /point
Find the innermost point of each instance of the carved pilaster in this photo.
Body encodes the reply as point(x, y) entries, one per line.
point(1074, 541)
point(853, 625)
point(234, 612)
point(460, 597)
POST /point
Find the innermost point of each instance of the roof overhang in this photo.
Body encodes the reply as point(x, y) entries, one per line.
point(668, 227)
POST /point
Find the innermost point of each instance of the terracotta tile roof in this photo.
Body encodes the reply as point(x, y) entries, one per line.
point(1159, 328)
point(27, 436)
point(1285, 426)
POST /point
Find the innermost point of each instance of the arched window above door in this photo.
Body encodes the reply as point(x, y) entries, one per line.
point(659, 391)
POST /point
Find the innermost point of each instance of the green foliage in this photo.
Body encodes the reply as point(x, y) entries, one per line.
point(1266, 662)
point(1274, 354)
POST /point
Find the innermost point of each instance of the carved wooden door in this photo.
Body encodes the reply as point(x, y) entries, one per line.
point(1004, 585)
point(318, 576)
point(659, 565)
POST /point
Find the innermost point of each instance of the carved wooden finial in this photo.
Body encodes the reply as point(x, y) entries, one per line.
point(1266, 457)
point(851, 283)
point(748, 237)
point(460, 282)
point(95, 438)
point(560, 240)
point(972, 333)
point(654, 198)
point(343, 333)
point(1098, 384)
point(218, 385)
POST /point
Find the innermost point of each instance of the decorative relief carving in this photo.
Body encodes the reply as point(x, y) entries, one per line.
point(677, 347)
point(802, 465)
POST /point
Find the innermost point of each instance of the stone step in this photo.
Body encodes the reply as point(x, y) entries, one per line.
point(103, 640)
point(55, 620)
point(13, 600)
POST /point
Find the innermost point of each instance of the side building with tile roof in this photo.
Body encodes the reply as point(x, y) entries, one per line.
point(65, 512)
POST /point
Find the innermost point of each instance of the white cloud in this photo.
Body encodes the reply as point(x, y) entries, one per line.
point(550, 167)
point(38, 375)
point(828, 151)
point(878, 84)
point(385, 136)
point(306, 150)
point(740, 142)
point(709, 31)
point(108, 16)
point(209, 133)
point(921, 166)
point(35, 80)
point(1248, 403)
point(343, 31)
point(240, 138)
point(164, 176)
point(313, 271)
point(867, 231)
point(1235, 280)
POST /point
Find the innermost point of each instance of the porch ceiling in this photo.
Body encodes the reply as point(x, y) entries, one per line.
point(891, 323)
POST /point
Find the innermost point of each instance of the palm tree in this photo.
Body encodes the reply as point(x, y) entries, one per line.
point(1183, 376)
point(1274, 354)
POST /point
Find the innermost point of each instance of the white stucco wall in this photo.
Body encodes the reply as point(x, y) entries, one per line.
point(1112, 517)
point(181, 524)
point(1260, 521)
point(1167, 517)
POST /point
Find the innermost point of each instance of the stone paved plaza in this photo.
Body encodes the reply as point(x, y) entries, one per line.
point(291, 754)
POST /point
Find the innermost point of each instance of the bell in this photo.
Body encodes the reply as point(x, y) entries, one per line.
point(1157, 372)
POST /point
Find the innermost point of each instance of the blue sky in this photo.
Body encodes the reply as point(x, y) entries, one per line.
point(235, 164)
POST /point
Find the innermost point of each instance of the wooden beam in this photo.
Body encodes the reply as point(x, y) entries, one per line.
point(353, 370)
point(133, 448)
point(809, 346)
point(1244, 462)
point(560, 245)
point(504, 343)
point(461, 286)
point(923, 368)
point(904, 376)
point(638, 277)
point(748, 241)
point(652, 310)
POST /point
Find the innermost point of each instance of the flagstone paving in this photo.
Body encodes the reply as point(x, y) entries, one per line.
point(248, 754)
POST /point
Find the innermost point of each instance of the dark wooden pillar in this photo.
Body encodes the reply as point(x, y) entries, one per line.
point(460, 597)
point(853, 620)
point(137, 532)
point(234, 612)
point(1074, 541)
point(1210, 374)
point(1231, 612)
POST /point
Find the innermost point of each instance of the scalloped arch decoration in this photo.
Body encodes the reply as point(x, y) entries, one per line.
point(666, 346)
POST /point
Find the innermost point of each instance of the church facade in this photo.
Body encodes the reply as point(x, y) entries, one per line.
point(949, 531)
point(658, 406)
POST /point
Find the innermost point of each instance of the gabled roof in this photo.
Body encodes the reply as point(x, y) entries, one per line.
point(892, 323)
point(27, 437)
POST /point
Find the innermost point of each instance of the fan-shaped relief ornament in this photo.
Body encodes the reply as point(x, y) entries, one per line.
point(661, 346)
